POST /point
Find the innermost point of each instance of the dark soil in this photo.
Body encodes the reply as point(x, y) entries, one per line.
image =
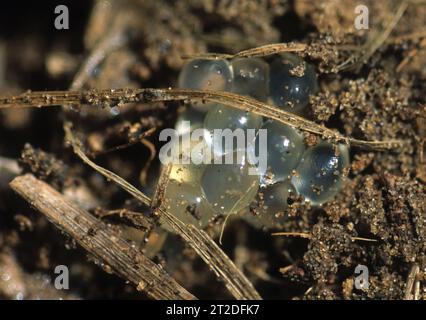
point(384, 200)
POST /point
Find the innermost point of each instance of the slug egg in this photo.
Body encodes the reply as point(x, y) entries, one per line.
point(291, 82)
point(195, 118)
point(250, 77)
point(186, 202)
point(272, 204)
point(183, 196)
point(206, 75)
point(284, 149)
point(319, 175)
point(229, 188)
point(223, 117)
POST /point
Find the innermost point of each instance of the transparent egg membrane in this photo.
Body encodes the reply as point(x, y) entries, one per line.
point(223, 117)
point(229, 188)
point(250, 77)
point(195, 118)
point(271, 204)
point(184, 197)
point(284, 149)
point(321, 171)
point(201, 74)
point(291, 83)
point(197, 193)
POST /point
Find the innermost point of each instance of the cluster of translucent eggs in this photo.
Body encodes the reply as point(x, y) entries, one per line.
point(196, 193)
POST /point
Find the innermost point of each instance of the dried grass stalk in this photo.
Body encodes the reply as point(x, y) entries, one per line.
point(235, 281)
point(111, 250)
point(109, 98)
point(261, 51)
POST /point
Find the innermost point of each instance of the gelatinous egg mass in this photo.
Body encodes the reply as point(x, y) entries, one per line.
point(250, 77)
point(229, 188)
point(291, 82)
point(284, 149)
point(206, 75)
point(222, 117)
point(196, 193)
point(320, 172)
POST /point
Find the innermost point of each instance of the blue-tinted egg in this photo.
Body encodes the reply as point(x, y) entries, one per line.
point(284, 149)
point(272, 205)
point(291, 81)
point(250, 77)
point(320, 173)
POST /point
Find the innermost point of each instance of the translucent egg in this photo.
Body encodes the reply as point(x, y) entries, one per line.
point(222, 117)
point(285, 147)
point(186, 173)
point(272, 205)
point(183, 195)
point(319, 175)
point(187, 146)
point(184, 198)
point(229, 188)
point(291, 81)
point(250, 77)
point(206, 75)
point(186, 202)
point(195, 118)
